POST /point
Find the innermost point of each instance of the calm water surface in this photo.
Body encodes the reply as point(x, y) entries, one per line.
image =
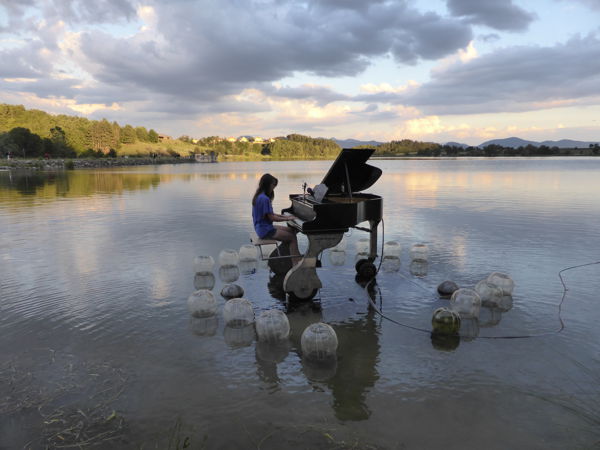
point(96, 267)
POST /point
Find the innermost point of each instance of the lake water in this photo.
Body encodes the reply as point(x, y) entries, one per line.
point(98, 346)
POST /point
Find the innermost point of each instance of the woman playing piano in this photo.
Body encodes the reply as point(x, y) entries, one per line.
point(263, 216)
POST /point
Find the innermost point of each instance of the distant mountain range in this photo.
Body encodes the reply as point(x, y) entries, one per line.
point(349, 143)
point(512, 142)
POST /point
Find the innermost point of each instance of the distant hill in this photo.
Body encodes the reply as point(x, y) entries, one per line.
point(567, 143)
point(457, 144)
point(349, 143)
point(515, 142)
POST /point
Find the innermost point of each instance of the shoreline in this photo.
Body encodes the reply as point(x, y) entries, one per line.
point(88, 163)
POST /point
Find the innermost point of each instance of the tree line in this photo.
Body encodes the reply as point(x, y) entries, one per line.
point(34, 133)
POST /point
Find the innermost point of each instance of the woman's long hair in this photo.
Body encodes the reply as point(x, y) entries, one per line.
point(264, 186)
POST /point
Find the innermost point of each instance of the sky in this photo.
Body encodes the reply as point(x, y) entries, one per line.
point(431, 70)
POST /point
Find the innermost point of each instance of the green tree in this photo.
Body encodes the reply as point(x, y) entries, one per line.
point(128, 135)
point(152, 136)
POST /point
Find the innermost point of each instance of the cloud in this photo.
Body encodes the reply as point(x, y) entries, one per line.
point(510, 79)
point(499, 14)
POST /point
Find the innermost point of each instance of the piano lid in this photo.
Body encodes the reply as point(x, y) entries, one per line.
point(351, 161)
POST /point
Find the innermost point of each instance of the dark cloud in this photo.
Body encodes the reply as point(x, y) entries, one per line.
point(498, 14)
point(205, 50)
point(511, 79)
point(319, 94)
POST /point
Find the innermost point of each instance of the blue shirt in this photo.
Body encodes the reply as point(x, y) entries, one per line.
point(262, 207)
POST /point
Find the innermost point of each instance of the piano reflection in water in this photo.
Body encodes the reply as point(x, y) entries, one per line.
point(326, 213)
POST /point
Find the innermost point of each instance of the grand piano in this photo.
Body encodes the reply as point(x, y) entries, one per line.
point(326, 213)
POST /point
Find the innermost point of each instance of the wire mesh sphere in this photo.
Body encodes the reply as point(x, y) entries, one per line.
point(248, 267)
point(229, 257)
point(319, 342)
point(203, 263)
point(230, 291)
point(445, 321)
point(236, 337)
point(238, 312)
point(229, 274)
point(202, 303)
point(391, 248)
point(419, 267)
point(503, 281)
point(419, 251)
point(505, 304)
point(204, 326)
point(363, 245)
point(248, 252)
point(337, 258)
point(489, 293)
point(204, 280)
point(272, 325)
point(466, 302)
point(341, 246)
point(390, 264)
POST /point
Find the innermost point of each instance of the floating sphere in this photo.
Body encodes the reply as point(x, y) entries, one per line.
point(248, 253)
point(489, 317)
point(469, 328)
point(204, 280)
point(203, 263)
point(272, 325)
point(505, 304)
point(445, 321)
point(230, 291)
point(238, 312)
point(419, 267)
point(503, 281)
point(319, 342)
point(337, 258)
point(447, 288)
point(204, 326)
point(236, 337)
point(390, 264)
point(391, 248)
point(419, 251)
point(248, 267)
point(465, 302)
point(489, 293)
point(229, 274)
point(341, 246)
point(202, 303)
point(363, 245)
point(229, 257)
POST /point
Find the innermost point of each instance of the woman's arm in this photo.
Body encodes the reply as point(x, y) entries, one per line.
point(279, 217)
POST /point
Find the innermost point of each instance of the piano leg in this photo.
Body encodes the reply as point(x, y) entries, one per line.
point(302, 281)
point(373, 242)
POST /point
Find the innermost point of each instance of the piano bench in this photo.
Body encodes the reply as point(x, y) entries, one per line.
point(258, 242)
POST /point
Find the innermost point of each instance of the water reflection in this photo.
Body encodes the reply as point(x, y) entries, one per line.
point(236, 337)
point(204, 326)
point(204, 280)
point(268, 356)
point(358, 355)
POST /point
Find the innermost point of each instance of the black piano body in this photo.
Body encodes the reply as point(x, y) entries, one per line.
point(324, 222)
